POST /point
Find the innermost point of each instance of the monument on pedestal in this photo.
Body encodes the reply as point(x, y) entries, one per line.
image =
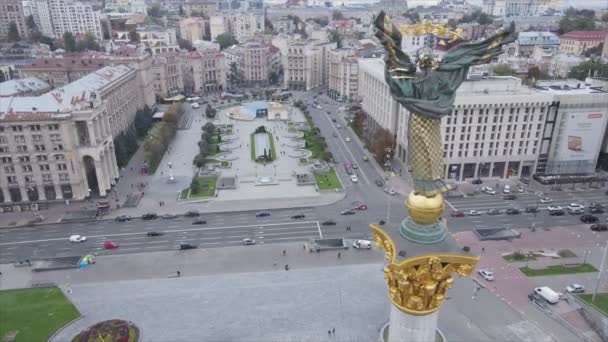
point(421, 256)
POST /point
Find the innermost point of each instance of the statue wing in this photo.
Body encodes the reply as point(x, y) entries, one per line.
point(398, 63)
point(467, 54)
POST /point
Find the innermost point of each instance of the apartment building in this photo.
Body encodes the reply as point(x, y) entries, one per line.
point(307, 64)
point(203, 71)
point(605, 50)
point(508, 8)
point(244, 26)
point(59, 145)
point(71, 16)
point(11, 11)
point(167, 75)
point(151, 36)
point(527, 41)
point(255, 61)
point(577, 42)
point(206, 9)
point(343, 79)
point(192, 29)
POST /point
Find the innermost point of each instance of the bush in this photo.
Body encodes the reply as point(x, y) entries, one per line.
point(194, 185)
point(199, 160)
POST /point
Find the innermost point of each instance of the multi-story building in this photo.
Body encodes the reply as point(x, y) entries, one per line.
point(284, 25)
point(605, 50)
point(30, 86)
point(307, 64)
point(526, 41)
point(41, 13)
point(412, 43)
point(577, 42)
point(192, 29)
point(255, 62)
point(7, 72)
point(167, 75)
point(75, 17)
point(127, 6)
point(11, 11)
point(508, 8)
point(203, 71)
point(206, 9)
point(343, 75)
point(246, 26)
point(393, 8)
point(151, 36)
point(59, 145)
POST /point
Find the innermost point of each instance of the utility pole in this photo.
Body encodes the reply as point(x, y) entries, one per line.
point(600, 273)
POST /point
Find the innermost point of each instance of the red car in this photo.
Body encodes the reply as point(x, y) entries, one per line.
point(109, 245)
point(457, 213)
point(361, 207)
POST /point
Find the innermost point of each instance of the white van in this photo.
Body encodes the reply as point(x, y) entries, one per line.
point(548, 294)
point(362, 244)
point(195, 105)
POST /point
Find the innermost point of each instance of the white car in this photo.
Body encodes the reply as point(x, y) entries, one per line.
point(354, 178)
point(546, 200)
point(575, 207)
point(473, 213)
point(486, 274)
point(248, 242)
point(575, 288)
point(362, 244)
point(554, 208)
point(488, 190)
point(507, 189)
point(78, 238)
point(347, 139)
point(390, 191)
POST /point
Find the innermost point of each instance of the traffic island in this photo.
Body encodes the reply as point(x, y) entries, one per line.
point(558, 269)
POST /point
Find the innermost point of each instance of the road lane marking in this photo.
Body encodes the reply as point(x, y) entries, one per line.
point(319, 228)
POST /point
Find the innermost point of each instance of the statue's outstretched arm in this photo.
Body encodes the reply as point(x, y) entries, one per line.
point(398, 62)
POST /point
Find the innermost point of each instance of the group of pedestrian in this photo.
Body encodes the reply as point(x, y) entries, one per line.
point(161, 203)
point(348, 228)
point(331, 332)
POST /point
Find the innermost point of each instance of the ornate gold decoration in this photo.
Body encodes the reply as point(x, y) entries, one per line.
point(418, 285)
point(426, 27)
point(423, 209)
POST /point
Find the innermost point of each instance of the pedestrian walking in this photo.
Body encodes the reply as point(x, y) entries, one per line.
point(328, 332)
point(339, 255)
point(333, 331)
point(286, 267)
point(178, 273)
point(284, 252)
point(483, 249)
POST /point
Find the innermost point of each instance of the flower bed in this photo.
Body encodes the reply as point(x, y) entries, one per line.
point(115, 330)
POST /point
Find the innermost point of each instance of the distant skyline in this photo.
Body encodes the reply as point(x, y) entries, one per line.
point(593, 4)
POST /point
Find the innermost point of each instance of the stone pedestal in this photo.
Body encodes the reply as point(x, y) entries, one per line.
point(411, 328)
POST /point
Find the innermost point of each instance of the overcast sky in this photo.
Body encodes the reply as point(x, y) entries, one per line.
point(595, 4)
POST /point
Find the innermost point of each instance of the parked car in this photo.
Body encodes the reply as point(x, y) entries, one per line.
point(123, 218)
point(169, 216)
point(192, 213)
point(199, 222)
point(477, 181)
point(531, 209)
point(149, 216)
point(155, 234)
point(334, 120)
point(488, 190)
point(390, 191)
point(554, 208)
point(361, 207)
point(596, 210)
point(599, 227)
point(354, 178)
point(109, 245)
point(379, 182)
point(362, 244)
point(575, 288)
point(365, 158)
point(548, 294)
point(457, 213)
point(185, 246)
point(298, 216)
point(486, 274)
point(520, 189)
point(473, 213)
point(510, 197)
point(546, 200)
point(347, 139)
point(493, 212)
point(328, 223)
point(355, 166)
point(78, 238)
point(506, 189)
point(513, 211)
point(262, 214)
point(559, 212)
point(589, 219)
point(248, 241)
point(347, 212)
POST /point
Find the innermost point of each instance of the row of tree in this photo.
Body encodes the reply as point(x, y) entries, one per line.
point(204, 145)
point(126, 143)
point(160, 136)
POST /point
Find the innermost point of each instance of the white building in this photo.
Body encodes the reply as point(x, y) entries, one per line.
point(526, 41)
point(192, 29)
point(41, 13)
point(504, 8)
point(343, 79)
point(218, 24)
point(307, 64)
point(412, 43)
point(76, 17)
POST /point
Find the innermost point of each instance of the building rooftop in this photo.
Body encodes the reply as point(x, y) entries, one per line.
point(585, 35)
point(538, 38)
point(566, 87)
point(23, 87)
point(74, 96)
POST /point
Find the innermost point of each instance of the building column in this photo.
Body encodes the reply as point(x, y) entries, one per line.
point(41, 194)
point(505, 170)
point(407, 327)
point(7, 195)
point(460, 172)
point(101, 179)
point(108, 166)
point(114, 164)
point(476, 174)
point(58, 192)
point(24, 197)
point(106, 170)
point(92, 134)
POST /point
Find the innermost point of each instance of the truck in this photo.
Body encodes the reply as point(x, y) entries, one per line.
point(548, 294)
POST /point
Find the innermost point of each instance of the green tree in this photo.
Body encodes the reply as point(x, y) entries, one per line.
point(321, 21)
point(593, 68)
point(199, 160)
point(88, 42)
point(594, 51)
point(225, 40)
point(605, 17)
point(69, 43)
point(382, 140)
point(209, 128)
point(155, 11)
point(503, 70)
point(452, 23)
point(235, 77)
point(133, 36)
point(337, 15)
point(194, 186)
point(13, 32)
point(412, 15)
point(210, 112)
point(335, 37)
point(578, 23)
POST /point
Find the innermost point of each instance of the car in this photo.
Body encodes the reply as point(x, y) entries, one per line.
point(575, 288)
point(531, 209)
point(298, 216)
point(109, 245)
point(576, 207)
point(506, 189)
point(354, 178)
point(347, 212)
point(169, 216)
point(520, 189)
point(390, 191)
point(248, 241)
point(488, 190)
point(486, 274)
point(262, 214)
point(596, 210)
point(355, 166)
point(473, 213)
point(184, 246)
point(349, 171)
point(557, 212)
point(362, 244)
point(493, 212)
point(545, 200)
point(335, 135)
point(149, 216)
point(589, 219)
point(513, 211)
point(509, 197)
point(554, 207)
point(123, 218)
point(192, 213)
point(379, 182)
point(199, 222)
point(361, 206)
point(365, 158)
point(595, 205)
point(477, 181)
point(536, 297)
point(78, 238)
point(457, 213)
point(328, 223)
point(347, 139)
point(338, 126)
point(155, 234)
point(333, 120)
point(599, 227)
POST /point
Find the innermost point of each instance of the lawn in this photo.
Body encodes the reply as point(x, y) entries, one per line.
point(34, 314)
point(518, 257)
point(557, 269)
point(206, 188)
point(601, 301)
point(314, 144)
point(327, 180)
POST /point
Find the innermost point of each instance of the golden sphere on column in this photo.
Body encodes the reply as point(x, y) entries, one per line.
point(424, 210)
